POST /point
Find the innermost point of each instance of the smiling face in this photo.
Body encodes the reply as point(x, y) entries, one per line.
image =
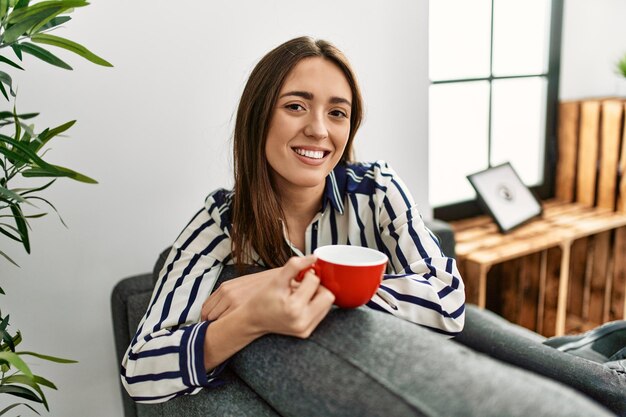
point(310, 125)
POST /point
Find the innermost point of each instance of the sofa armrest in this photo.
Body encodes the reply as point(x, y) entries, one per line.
point(123, 300)
point(129, 302)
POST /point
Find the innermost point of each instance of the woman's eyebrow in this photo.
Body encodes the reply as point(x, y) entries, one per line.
point(339, 100)
point(304, 94)
point(309, 96)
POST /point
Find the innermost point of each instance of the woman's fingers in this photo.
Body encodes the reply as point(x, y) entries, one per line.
point(278, 303)
point(295, 265)
point(307, 288)
point(316, 310)
point(323, 296)
point(216, 310)
point(222, 299)
point(209, 304)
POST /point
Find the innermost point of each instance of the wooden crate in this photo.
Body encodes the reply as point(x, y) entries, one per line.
point(567, 270)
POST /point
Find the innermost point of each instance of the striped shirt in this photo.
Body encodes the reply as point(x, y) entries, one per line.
point(363, 204)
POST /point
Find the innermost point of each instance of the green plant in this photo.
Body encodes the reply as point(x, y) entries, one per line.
point(23, 28)
point(621, 66)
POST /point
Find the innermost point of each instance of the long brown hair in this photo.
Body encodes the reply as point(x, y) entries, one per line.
point(256, 212)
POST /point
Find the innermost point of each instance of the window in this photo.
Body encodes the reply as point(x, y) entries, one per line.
point(493, 66)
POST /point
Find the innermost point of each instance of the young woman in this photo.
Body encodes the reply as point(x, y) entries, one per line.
point(296, 188)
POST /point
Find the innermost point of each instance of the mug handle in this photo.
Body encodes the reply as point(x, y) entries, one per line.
point(315, 267)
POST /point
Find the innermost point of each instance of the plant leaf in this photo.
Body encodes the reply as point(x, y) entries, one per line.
point(17, 339)
point(14, 156)
point(43, 381)
point(5, 256)
point(11, 235)
point(19, 27)
point(8, 339)
point(19, 392)
point(6, 193)
point(18, 126)
point(35, 216)
point(31, 19)
point(17, 50)
point(11, 63)
point(6, 336)
point(12, 406)
point(60, 172)
point(22, 226)
point(4, 323)
point(4, 92)
point(11, 115)
point(4, 6)
point(6, 79)
point(34, 190)
point(9, 226)
point(47, 357)
point(21, 3)
point(48, 134)
point(13, 359)
point(30, 382)
point(70, 46)
point(43, 54)
point(51, 205)
point(59, 20)
point(29, 153)
point(19, 14)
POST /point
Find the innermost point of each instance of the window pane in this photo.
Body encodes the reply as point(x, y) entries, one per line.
point(459, 38)
point(458, 131)
point(520, 36)
point(518, 126)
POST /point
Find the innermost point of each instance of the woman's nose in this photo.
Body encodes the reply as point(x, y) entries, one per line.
point(316, 127)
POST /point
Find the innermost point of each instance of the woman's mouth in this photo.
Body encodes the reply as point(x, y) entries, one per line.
point(310, 153)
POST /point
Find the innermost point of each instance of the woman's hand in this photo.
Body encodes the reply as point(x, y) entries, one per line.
point(232, 294)
point(272, 301)
point(290, 308)
point(269, 302)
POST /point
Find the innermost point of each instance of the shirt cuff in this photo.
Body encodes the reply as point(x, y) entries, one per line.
point(191, 358)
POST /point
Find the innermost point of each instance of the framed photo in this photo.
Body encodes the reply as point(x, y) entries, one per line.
point(504, 196)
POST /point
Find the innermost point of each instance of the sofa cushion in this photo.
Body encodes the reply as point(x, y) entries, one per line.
point(234, 398)
point(362, 362)
point(491, 334)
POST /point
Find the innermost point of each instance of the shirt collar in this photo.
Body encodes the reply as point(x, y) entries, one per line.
point(333, 191)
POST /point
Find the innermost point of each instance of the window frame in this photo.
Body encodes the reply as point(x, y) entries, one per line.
point(471, 208)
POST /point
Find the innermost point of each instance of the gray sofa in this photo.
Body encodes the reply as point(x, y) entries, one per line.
point(259, 380)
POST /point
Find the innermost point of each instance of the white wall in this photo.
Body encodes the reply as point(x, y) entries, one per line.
point(154, 132)
point(594, 39)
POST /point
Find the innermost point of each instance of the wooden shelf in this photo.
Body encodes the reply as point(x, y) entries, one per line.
point(547, 243)
point(568, 267)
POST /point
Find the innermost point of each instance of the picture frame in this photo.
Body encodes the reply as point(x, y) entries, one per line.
point(503, 195)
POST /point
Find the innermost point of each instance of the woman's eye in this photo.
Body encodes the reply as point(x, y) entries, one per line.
point(294, 107)
point(338, 113)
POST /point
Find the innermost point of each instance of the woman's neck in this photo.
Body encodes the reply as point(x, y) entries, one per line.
point(300, 205)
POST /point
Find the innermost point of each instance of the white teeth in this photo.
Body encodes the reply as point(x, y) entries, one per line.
point(310, 154)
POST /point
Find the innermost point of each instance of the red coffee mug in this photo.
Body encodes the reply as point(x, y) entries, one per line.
point(351, 273)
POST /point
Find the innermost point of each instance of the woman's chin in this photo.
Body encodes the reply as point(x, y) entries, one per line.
point(301, 180)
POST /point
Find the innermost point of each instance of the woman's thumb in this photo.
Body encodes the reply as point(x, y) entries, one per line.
point(297, 266)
